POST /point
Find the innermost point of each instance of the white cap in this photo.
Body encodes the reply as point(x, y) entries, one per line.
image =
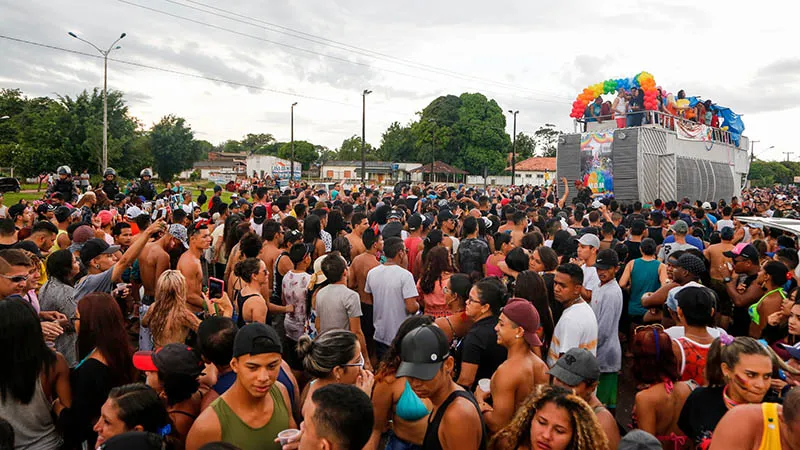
point(706, 205)
point(596, 204)
point(589, 239)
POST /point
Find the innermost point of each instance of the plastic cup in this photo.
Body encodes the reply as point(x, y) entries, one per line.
point(485, 384)
point(288, 436)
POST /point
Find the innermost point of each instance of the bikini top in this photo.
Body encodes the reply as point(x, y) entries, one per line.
point(410, 408)
point(753, 309)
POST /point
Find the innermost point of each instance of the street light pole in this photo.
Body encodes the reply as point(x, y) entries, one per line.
point(291, 175)
point(514, 150)
point(105, 54)
point(363, 135)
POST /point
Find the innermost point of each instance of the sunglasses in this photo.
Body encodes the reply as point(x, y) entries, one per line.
point(651, 326)
point(359, 363)
point(16, 278)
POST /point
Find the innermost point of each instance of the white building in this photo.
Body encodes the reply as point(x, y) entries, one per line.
point(262, 165)
point(535, 171)
point(377, 171)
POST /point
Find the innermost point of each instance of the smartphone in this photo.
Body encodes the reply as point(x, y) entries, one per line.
point(215, 287)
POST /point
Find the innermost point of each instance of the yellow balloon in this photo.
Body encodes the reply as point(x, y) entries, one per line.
point(682, 103)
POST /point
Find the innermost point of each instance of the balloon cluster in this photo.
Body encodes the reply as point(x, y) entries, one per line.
point(643, 80)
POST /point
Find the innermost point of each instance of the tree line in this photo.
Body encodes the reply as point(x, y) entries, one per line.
point(42, 133)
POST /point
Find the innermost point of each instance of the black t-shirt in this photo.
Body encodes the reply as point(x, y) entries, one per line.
point(634, 251)
point(480, 347)
point(741, 318)
point(656, 234)
point(472, 255)
point(7, 246)
point(701, 413)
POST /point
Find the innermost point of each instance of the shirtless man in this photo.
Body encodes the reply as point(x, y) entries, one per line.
point(154, 259)
point(360, 224)
point(520, 222)
point(191, 266)
point(273, 237)
point(515, 378)
point(742, 428)
point(359, 269)
point(579, 370)
point(715, 254)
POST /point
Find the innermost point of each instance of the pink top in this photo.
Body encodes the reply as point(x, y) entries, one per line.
point(435, 302)
point(492, 270)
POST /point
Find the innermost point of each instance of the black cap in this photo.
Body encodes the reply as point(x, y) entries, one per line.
point(259, 214)
point(217, 188)
point(396, 214)
point(745, 251)
point(692, 264)
point(62, 213)
point(392, 229)
point(119, 197)
point(415, 221)
point(255, 339)
point(175, 359)
point(445, 214)
point(94, 248)
point(16, 210)
point(423, 353)
point(44, 208)
point(135, 440)
point(607, 259)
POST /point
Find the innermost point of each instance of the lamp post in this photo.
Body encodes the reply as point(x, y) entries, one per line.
point(363, 135)
point(514, 149)
point(105, 54)
point(291, 175)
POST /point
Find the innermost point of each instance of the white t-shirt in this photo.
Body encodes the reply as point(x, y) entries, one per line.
point(188, 207)
point(590, 278)
point(722, 223)
point(577, 328)
point(679, 332)
point(390, 286)
point(3, 211)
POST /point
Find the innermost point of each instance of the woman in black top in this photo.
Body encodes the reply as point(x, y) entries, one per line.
point(481, 354)
point(106, 361)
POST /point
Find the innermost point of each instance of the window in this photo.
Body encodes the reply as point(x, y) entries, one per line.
point(347, 174)
point(540, 176)
point(329, 174)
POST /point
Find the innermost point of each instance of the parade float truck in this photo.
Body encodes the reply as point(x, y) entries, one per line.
point(666, 156)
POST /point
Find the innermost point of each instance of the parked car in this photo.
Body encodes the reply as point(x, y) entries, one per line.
point(9, 185)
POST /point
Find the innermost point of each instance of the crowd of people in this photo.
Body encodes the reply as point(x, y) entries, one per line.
point(424, 317)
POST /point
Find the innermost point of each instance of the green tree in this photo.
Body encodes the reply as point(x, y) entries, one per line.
point(397, 144)
point(304, 152)
point(350, 150)
point(526, 146)
point(252, 143)
point(173, 146)
point(231, 146)
point(546, 140)
point(203, 149)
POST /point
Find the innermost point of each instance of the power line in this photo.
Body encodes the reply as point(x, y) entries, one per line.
point(276, 28)
point(299, 49)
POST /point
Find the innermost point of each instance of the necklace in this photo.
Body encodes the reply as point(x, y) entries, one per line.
point(729, 402)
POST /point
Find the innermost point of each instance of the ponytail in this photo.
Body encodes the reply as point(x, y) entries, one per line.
point(726, 349)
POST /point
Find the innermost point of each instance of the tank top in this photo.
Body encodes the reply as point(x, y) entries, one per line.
point(242, 435)
point(32, 423)
point(240, 302)
point(753, 309)
point(412, 246)
point(771, 436)
point(277, 281)
point(55, 246)
point(693, 360)
point(431, 441)
point(644, 278)
point(492, 270)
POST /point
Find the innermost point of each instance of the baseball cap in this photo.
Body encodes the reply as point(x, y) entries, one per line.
point(120, 197)
point(743, 250)
point(179, 232)
point(445, 214)
point(234, 195)
point(255, 339)
point(259, 214)
point(94, 248)
point(134, 440)
point(639, 440)
point(133, 212)
point(396, 214)
point(105, 217)
point(44, 208)
point(524, 314)
point(577, 365)
point(392, 229)
point(62, 213)
point(217, 188)
point(597, 204)
point(607, 259)
point(692, 264)
point(590, 239)
point(175, 359)
point(423, 352)
point(793, 350)
point(706, 205)
point(16, 210)
point(81, 234)
point(680, 227)
point(415, 221)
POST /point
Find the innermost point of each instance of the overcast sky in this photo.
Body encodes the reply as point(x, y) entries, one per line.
point(531, 56)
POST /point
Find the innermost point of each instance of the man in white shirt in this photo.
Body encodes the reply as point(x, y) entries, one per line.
point(577, 327)
point(588, 245)
point(394, 294)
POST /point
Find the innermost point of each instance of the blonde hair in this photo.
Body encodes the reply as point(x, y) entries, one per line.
point(166, 313)
point(85, 199)
point(586, 431)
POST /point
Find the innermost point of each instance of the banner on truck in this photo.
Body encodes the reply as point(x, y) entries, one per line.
point(597, 170)
point(691, 131)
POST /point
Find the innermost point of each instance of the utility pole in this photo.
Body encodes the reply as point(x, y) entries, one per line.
point(433, 149)
point(752, 151)
point(363, 136)
point(787, 155)
point(105, 89)
point(514, 149)
point(291, 174)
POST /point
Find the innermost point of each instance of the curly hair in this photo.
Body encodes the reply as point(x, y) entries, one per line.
point(586, 431)
point(437, 263)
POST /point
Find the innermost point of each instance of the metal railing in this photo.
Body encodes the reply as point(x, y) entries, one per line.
point(661, 120)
